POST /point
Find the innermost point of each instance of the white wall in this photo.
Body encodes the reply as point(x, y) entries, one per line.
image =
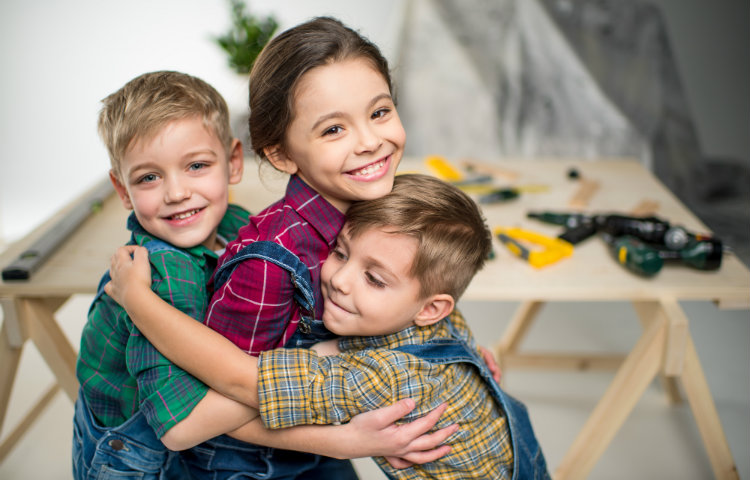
point(60, 58)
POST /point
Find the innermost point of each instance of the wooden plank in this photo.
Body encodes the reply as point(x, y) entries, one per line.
point(52, 344)
point(706, 416)
point(10, 441)
point(632, 379)
point(563, 361)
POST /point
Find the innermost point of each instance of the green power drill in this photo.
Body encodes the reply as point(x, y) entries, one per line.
point(641, 244)
point(703, 253)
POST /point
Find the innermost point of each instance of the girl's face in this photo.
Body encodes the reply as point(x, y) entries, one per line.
point(346, 139)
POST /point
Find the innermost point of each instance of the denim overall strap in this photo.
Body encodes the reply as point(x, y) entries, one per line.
point(528, 460)
point(283, 258)
point(152, 246)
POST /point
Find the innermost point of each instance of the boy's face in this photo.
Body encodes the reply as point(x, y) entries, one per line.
point(177, 182)
point(346, 139)
point(366, 284)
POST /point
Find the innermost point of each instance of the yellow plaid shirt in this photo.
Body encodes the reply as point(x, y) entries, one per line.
point(298, 387)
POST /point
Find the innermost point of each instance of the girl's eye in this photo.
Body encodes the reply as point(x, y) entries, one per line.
point(373, 280)
point(332, 130)
point(380, 113)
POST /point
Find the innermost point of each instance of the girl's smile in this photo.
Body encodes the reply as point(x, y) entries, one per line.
point(346, 139)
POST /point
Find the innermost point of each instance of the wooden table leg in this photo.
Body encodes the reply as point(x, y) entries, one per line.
point(647, 312)
point(10, 357)
point(704, 410)
point(517, 329)
point(52, 343)
point(636, 373)
point(25, 319)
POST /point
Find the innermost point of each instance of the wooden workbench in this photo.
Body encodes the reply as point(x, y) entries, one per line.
point(665, 348)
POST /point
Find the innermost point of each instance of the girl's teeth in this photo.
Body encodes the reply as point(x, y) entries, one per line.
point(370, 168)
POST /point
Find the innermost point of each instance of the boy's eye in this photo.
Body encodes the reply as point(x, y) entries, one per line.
point(148, 178)
point(332, 130)
point(198, 166)
point(338, 254)
point(372, 279)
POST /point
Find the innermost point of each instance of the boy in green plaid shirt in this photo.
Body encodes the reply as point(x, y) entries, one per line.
point(389, 287)
point(173, 158)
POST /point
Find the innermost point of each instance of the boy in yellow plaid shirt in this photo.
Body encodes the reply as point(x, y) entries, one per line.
point(390, 286)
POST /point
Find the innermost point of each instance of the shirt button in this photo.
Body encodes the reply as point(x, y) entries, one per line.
point(116, 444)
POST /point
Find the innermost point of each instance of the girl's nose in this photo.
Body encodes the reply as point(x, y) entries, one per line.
point(368, 140)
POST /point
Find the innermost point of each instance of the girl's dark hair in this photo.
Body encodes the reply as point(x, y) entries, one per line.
point(282, 63)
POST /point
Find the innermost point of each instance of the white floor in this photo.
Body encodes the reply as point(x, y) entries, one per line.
point(656, 442)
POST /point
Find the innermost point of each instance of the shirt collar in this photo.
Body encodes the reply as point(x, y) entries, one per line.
point(140, 236)
point(315, 209)
point(412, 335)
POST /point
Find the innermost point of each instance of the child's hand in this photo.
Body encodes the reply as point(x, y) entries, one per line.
point(130, 274)
point(376, 434)
point(326, 348)
point(489, 359)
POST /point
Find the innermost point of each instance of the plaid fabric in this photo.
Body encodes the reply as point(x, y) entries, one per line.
point(254, 308)
point(118, 369)
point(297, 387)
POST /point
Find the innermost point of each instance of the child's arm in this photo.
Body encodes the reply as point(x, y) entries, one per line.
point(214, 415)
point(368, 434)
point(196, 348)
point(219, 363)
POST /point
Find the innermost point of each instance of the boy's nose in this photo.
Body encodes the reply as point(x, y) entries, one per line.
point(176, 192)
point(339, 281)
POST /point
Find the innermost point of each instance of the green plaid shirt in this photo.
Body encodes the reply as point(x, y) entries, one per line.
point(119, 370)
point(298, 387)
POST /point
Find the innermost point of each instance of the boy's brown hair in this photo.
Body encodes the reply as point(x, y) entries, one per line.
point(144, 105)
point(452, 236)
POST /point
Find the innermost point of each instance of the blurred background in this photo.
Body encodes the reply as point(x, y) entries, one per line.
point(664, 81)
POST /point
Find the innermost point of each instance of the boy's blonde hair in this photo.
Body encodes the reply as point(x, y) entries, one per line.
point(452, 236)
point(144, 105)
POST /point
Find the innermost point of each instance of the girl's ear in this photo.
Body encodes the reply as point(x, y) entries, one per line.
point(435, 309)
point(236, 162)
point(122, 192)
point(275, 154)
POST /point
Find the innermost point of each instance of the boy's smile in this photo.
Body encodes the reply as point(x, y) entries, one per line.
point(177, 182)
point(346, 139)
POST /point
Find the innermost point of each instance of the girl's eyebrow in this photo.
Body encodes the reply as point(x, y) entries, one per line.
point(331, 115)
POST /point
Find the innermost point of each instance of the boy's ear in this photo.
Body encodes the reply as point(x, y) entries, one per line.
point(122, 192)
point(435, 309)
point(236, 162)
point(280, 160)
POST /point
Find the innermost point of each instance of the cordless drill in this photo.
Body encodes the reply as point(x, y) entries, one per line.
point(703, 253)
point(641, 244)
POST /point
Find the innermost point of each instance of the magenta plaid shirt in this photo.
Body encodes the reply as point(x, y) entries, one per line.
point(255, 307)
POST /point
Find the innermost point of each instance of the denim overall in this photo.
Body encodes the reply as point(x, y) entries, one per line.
point(226, 458)
point(528, 460)
point(130, 450)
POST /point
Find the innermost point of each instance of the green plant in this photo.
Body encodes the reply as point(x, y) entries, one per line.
point(247, 37)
